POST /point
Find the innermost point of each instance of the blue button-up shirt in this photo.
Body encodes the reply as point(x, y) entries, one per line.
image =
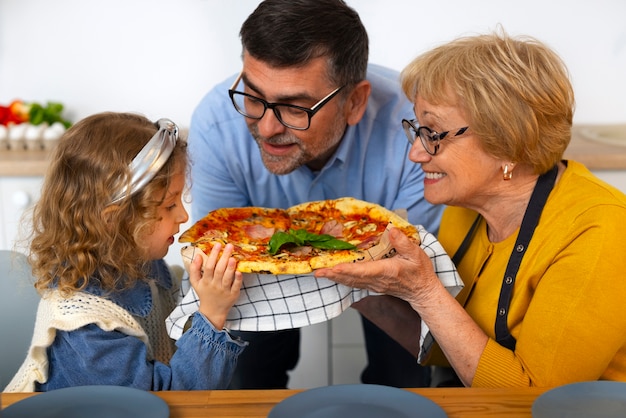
point(370, 164)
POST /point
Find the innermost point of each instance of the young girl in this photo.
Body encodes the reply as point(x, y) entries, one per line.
point(109, 208)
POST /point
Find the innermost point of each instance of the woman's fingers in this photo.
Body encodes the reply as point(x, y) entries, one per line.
point(402, 244)
point(389, 275)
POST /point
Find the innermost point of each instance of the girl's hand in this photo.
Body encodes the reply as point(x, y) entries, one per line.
point(216, 283)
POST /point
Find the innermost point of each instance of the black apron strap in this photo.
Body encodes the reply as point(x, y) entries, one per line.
point(538, 199)
point(456, 258)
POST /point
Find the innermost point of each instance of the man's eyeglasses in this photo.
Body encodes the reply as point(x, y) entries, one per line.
point(292, 116)
point(430, 139)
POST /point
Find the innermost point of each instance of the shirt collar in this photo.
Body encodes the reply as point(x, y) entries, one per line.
point(345, 147)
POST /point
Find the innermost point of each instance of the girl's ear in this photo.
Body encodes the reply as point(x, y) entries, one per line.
point(357, 102)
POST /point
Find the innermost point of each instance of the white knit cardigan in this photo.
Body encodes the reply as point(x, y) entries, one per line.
point(56, 312)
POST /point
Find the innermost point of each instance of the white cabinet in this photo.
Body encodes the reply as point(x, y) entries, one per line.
point(347, 348)
point(331, 353)
point(17, 195)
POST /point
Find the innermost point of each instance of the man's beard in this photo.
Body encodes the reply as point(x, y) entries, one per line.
point(280, 165)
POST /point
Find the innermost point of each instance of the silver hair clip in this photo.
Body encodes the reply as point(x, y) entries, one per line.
point(150, 159)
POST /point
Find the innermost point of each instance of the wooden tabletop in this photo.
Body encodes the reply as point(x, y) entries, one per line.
point(456, 402)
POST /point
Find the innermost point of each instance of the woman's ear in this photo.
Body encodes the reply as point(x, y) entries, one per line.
point(357, 102)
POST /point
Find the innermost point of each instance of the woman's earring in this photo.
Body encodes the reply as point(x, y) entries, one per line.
point(507, 175)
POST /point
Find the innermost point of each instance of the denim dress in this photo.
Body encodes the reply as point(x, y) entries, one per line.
point(203, 358)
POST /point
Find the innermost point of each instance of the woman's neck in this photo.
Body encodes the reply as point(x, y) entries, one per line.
point(505, 213)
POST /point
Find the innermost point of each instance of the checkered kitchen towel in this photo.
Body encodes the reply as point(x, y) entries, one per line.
point(271, 302)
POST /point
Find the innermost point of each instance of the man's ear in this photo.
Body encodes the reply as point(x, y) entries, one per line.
point(357, 102)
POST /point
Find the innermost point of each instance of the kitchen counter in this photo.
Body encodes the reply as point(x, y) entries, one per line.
point(599, 147)
point(593, 145)
point(24, 163)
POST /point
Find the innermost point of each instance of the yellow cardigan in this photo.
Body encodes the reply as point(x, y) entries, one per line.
point(568, 310)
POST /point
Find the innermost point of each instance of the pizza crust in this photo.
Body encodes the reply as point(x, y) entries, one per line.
point(349, 205)
point(188, 252)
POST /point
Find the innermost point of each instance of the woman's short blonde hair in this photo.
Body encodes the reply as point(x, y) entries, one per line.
point(515, 92)
point(76, 232)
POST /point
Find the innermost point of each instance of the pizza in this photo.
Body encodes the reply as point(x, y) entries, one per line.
point(299, 239)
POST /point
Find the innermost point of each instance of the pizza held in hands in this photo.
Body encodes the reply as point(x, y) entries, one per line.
point(299, 239)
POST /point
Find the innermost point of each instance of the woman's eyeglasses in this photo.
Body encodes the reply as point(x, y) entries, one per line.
point(430, 139)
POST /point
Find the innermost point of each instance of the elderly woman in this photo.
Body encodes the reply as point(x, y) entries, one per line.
point(536, 239)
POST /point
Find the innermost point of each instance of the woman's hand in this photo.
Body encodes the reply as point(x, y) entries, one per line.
point(408, 275)
point(216, 282)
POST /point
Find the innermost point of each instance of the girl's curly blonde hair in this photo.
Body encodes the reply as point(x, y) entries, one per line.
point(77, 235)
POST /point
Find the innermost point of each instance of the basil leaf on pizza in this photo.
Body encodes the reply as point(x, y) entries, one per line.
point(299, 239)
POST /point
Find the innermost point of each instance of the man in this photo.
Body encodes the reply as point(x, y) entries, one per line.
point(307, 119)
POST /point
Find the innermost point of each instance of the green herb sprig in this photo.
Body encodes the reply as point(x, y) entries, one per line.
point(300, 237)
point(50, 113)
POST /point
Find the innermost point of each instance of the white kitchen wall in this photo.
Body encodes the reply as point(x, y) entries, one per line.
point(159, 57)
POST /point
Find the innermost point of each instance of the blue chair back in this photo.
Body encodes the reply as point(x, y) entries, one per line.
point(18, 308)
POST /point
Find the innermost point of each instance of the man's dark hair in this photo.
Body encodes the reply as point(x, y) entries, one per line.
point(289, 33)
